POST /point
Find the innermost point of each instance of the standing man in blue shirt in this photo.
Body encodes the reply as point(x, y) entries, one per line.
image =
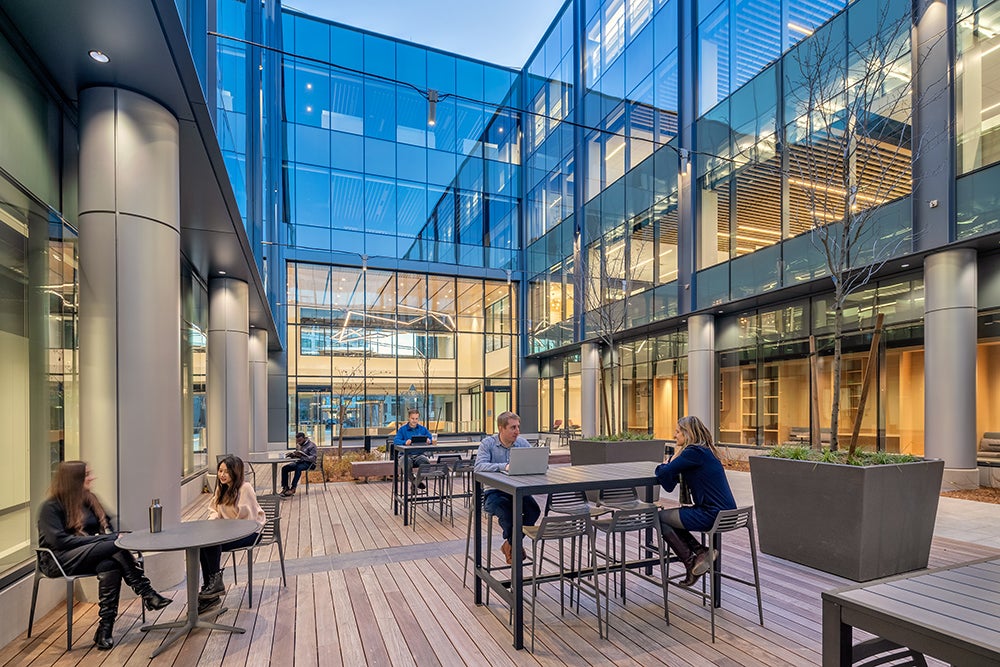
point(405, 435)
point(494, 456)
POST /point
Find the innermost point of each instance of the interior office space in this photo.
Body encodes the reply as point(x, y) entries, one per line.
point(224, 222)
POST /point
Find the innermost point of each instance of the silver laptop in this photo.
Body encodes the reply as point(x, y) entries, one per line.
point(528, 461)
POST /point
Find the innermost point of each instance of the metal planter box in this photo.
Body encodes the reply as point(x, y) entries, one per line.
point(861, 523)
point(592, 452)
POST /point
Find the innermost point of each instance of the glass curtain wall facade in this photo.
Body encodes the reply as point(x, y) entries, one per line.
point(370, 345)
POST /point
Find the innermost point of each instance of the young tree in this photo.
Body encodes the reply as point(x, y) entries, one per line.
point(349, 385)
point(848, 150)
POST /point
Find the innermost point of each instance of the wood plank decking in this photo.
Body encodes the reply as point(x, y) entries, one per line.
point(364, 590)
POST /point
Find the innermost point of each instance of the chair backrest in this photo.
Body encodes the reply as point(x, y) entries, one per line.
point(880, 651)
point(610, 496)
point(563, 526)
point(727, 520)
point(637, 519)
point(431, 470)
point(272, 513)
point(567, 502)
point(451, 460)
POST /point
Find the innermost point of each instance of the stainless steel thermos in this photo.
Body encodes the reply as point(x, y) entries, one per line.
point(155, 516)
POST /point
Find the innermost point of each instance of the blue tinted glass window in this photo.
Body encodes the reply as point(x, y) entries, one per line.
point(347, 151)
point(346, 48)
point(713, 60)
point(312, 96)
point(665, 28)
point(440, 167)
point(232, 78)
point(639, 59)
point(411, 65)
point(758, 38)
point(380, 110)
point(470, 79)
point(470, 128)
point(347, 103)
point(496, 85)
point(411, 208)
point(441, 72)
point(411, 163)
point(312, 196)
point(312, 145)
point(380, 157)
point(380, 205)
point(380, 56)
point(312, 39)
point(348, 210)
point(232, 18)
point(312, 237)
point(411, 116)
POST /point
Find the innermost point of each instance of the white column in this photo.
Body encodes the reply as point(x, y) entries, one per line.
point(130, 364)
point(258, 390)
point(590, 378)
point(950, 364)
point(702, 402)
point(228, 372)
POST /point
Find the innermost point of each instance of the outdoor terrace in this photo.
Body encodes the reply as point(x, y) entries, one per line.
point(362, 589)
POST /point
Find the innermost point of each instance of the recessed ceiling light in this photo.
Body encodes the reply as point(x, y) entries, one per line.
point(309, 86)
point(222, 273)
point(309, 109)
point(905, 266)
point(99, 56)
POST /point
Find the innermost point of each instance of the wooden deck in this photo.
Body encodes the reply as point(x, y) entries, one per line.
point(364, 590)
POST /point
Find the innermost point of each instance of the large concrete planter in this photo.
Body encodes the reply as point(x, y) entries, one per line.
point(861, 523)
point(592, 452)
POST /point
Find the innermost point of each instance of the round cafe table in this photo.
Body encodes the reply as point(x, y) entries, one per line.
point(189, 536)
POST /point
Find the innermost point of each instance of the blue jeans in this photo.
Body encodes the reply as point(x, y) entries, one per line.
point(502, 505)
point(297, 467)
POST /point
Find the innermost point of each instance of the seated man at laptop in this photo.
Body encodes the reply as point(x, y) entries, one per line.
point(413, 433)
point(494, 456)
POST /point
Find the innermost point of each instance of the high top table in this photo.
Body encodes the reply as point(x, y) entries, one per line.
point(400, 486)
point(190, 536)
point(556, 480)
point(951, 613)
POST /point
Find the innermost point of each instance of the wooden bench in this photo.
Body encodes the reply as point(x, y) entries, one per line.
point(366, 469)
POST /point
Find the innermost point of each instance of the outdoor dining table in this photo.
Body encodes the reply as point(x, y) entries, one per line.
point(190, 536)
point(951, 613)
point(556, 480)
point(400, 488)
point(274, 459)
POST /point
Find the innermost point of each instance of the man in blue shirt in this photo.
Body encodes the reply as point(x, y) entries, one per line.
point(494, 456)
point(405, 435)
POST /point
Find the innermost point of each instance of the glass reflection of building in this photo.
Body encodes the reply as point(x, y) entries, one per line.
point(646, 161)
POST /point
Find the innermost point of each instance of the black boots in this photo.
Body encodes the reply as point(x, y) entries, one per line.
point(108, 588)
point(696, 558)
point(211, 593)
point(137, 581)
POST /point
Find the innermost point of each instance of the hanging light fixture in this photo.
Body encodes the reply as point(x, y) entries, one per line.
point(432, 101)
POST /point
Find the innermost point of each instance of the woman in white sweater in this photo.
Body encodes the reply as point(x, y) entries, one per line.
point(234, 499)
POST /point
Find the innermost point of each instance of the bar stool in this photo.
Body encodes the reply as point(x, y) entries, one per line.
point(727, 521)
point(488, 517)
point(465, 468)
point(436, 477)
point(572, 502)
point(619, 523)
point(571, 527)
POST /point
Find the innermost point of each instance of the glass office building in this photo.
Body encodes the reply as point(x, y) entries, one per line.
point(369, 224)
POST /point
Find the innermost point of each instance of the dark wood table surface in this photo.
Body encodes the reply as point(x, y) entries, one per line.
point(951, 613)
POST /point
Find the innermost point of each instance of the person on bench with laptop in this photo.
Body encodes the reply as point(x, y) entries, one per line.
point(413, 433)
point(494, 456)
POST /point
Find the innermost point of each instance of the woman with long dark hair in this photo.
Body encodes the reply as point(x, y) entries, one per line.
point(234, 499)
point(73, 523)
point(699, 462)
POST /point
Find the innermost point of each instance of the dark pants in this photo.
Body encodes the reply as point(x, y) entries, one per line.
point(502, 505)
point(288, 468)
point(211, 557)
point(415, 462)
point(89, 558)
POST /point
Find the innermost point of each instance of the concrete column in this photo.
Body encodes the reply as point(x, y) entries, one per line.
point(130, 362)
point(702, 401)
point(950, 364)
point(258, 390)
point(590, 379)
point(228, 372)
point(527, 395)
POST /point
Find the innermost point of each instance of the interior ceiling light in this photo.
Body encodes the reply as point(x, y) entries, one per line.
point(98, 56)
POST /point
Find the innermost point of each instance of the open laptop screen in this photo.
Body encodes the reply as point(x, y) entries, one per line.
point(418, 440)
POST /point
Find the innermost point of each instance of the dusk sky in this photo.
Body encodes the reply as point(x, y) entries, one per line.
point(503, 33)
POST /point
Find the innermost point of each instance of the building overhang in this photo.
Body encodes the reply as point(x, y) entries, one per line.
point(149, 54)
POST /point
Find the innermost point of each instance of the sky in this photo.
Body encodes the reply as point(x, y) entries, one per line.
point(502, 32)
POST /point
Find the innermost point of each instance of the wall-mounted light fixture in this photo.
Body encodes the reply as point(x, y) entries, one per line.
point(432, 102)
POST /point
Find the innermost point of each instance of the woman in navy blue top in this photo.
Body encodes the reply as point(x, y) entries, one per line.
point(705, 478)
